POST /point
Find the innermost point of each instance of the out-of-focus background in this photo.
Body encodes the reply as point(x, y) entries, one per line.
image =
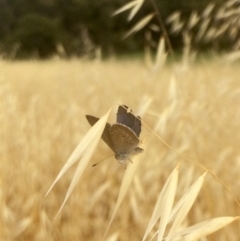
point(43, 28)
point(61, 60)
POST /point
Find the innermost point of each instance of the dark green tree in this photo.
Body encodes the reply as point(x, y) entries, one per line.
point(36, 35)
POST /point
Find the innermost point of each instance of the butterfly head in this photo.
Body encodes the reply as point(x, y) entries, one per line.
point(125, 156)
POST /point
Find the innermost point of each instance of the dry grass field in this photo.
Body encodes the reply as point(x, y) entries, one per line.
point(195, 109)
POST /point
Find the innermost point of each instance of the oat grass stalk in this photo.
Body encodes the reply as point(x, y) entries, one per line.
point(184, 205)
point(205, 228)
point(127, 180)
point(83, 151)
point(161, 56)
point(178, 213)
point(163, 211)
point(141, 24)
point(135, 7)
point(196, 163)
point(163, 205)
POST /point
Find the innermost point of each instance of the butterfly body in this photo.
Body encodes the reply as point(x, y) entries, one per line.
point(126, 142)
point(122, 137)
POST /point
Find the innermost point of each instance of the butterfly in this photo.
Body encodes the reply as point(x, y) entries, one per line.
point(122, 137)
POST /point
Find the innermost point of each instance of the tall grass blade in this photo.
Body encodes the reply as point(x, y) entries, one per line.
point(142, 23)
point(174, 17)
point(207, 11)
point(125, 7)
point(203, 29)
point(84, 150)
point(194, 19)
point(167, 203)
point(161, 207)
point(205, 228)
point(185, 205)
point(160, 56)
point(127, 179)
point(135, 10)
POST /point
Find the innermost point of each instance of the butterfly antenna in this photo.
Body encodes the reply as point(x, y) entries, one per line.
point(101, 161)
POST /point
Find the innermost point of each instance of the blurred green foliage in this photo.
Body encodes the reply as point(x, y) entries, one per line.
point(35, 28)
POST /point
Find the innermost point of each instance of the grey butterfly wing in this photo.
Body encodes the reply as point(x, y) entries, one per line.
point(124, 117)
point(124, 140)
point(105, 135)
point(127, 118)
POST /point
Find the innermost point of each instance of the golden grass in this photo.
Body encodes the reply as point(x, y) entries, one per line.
point(195, 109)
point(216, 24)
